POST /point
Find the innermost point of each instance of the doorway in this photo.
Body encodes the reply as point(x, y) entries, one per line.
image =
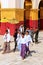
point(0, 15)
point(27, 7)
point(40, 15)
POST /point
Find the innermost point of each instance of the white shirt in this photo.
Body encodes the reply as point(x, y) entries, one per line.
point(22, 41)
point(28, 38)
point(18, 37)
point(6, 37)
point(9, 31)
point(21, 29)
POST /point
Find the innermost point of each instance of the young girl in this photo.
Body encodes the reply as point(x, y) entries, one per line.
point(28, 41)
point(23, 46)
point(6, 42)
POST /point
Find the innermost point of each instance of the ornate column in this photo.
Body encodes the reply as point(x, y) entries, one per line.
point(34, 18)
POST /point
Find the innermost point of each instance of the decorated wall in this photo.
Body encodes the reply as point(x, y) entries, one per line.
point(12, 14)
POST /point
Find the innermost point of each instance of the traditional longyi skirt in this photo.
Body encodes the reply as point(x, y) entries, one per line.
point(23, 50)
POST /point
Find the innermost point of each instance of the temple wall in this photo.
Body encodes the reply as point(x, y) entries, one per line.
point(12, 14)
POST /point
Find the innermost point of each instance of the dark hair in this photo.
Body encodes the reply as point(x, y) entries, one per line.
point(6, 30)
point(22, 33)
point(27, 32)
point(16, 29)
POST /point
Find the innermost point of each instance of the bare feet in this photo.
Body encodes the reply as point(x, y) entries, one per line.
point(3, 52)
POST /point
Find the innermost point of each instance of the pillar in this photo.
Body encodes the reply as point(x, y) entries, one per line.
point(33, 18)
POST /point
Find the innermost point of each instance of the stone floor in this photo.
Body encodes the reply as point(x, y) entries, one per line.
point(13, 58)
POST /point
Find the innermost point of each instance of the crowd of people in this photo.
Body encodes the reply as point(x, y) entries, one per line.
point(21, 39)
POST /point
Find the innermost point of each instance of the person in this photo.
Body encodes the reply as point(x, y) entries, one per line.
point(36, 35)
point(17, 40)
point(32, 34)
point(8, 30)
point(6, 38)
point(15, 37)
point(21, 28)
point(27, 29)
point(28, 41)
point(23, 46)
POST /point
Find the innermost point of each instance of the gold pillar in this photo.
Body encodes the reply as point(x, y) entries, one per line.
point(34, 18)
point(34, 14)
point(12, 15)
point(19, 14)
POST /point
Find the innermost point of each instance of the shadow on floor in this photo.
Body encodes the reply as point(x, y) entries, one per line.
point(30, 54)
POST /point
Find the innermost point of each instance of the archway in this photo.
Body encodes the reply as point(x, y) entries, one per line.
point(27, 7)
point(0, 14)
point(40, 15)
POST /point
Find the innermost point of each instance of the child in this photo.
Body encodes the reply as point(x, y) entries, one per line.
point(31, 32)
point(6, 42)
point(28, 40)
point(18, 37)
point(23, 46)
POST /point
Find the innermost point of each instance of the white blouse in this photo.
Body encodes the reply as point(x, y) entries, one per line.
point(6, 37)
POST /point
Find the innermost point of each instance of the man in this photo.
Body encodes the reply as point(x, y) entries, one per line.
point(15, 37)
point(32, 34)
point(36, 36)
point(21, 28)
point(8, 30)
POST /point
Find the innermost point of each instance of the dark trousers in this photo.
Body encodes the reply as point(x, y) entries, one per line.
point(32, 37)
point(15, 45)
point(36, 36)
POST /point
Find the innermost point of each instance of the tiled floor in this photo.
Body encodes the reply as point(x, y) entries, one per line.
point(13, 58)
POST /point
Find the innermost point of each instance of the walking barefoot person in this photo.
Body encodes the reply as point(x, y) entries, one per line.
point(23, 46)
point(6, 46)
point(28, 41)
